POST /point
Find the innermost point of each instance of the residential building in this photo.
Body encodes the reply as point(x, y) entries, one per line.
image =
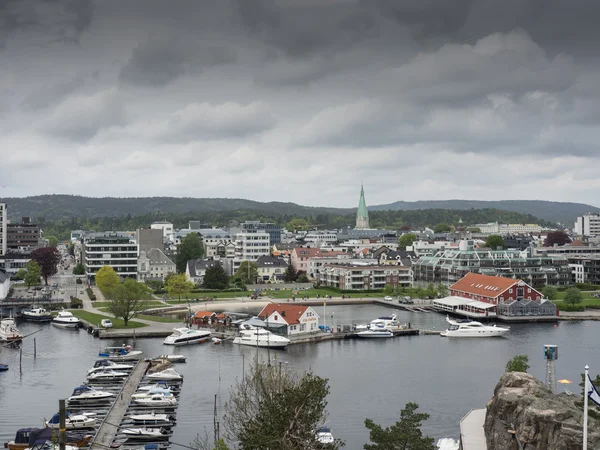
point(76, 235)
point(149, 238)
point(116, 249)
point(574, 248)
point(249, 246)
point(217, 243)
point(508, 228)
point(588, 225)
point(320, 238)
point(517, 241)
point(24, 236)
point(272, 229)
point(314, 265)
point(356, 277)
point(584, 268)
point(397, 258)
point(13, 261)
point(4, 284)
point(450, 265)
point(383, 236)
point(3, 229)
point(196, 269)
point(362, 213)
point(271, 269)
point(165, 227)
point(154, 265)
point(196, 225)
point(290, 320)
point(300, 256)
point(284, 250)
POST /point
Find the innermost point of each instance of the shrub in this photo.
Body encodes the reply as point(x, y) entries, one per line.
point(587, 286)
point(78, 281)
point(571, 308)
point(76, 303)
point(518, 364)
point(91, 294)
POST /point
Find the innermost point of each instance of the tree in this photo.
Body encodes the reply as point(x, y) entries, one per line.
point(473, 229)
point(273, 407)
point(215, 278)
point(405, 434)
point(247, 272)
point(178, 284)
point(48, 258)
point(442, 290)
point(559, 238)
point(128, 299)
point(573, 296)
point(20, 275)
point(79, 269)
point(33, 274)
point(550, 292)
point(406, 240)
point(388, 289)
point(431, 291)
point(107, 280)
point(297, 224)
point(421, 293)
point(52, 241)
point(442, 228)
point(190, 248)
point(302, 278)
point(518, 364)
point(290, 274)
point(494, 241)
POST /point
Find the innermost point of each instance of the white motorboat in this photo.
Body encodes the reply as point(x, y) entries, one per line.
point(258, 337)
point(87, 394)
point(186, 336)
point(466, 328)
point(50, 445)
point(167, 374)
point(107, 374)
point(150, 418)
point(123, 353)
point(388, 322)
point(159, 384)
point(73, 421)
point(104, 364)
point(145, 433)
point(155, 400)
point(37, 314)
point(9, 331)
point(324, 436)
point(157, 390)
point(66, 319)
point(375, 333)
point(173, 358)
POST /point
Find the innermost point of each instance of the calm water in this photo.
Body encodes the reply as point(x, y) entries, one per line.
point(372, 378)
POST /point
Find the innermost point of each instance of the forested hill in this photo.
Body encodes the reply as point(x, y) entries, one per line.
point(55, 207)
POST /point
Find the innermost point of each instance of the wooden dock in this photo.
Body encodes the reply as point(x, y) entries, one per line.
point(110, 426)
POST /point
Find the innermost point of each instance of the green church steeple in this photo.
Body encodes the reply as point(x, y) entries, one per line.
point(362, 214)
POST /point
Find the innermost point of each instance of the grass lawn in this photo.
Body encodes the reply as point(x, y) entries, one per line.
point(147, 304)
point(160, 319)
point(277, 294)
point(588, 300)
point(96, 318)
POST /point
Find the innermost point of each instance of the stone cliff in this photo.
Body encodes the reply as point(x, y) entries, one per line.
point(542, 420)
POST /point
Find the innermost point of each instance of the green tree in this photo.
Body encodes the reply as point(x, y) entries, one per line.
point(473, 229)
point(573, 296)
point(79, 269)
point(33, 274)
point(442, 228)
point(190, 248)
point(290, 274)
point(215, 278)
point(388, 289)
point(550, 292)
point(518, 364)
point(406, 240)
point(247, 272)
point(20, 275)
point(107, 280)
point(298, 224)
point(431, 291)
point(48, 258)
point(272, 407)
point(405, 434)
point(52, 241)
point(442, 290)
point(302, 278)
point(128, 299)
point(178, 285)
point(494, 241)
point(421, 293)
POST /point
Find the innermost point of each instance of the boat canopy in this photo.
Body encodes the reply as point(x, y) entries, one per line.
point(22, 436)
point(324, 430)
point(56, 418)
point(81, 389)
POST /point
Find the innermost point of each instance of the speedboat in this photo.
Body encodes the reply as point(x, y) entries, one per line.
point(167, 374)
point(31, 437)
point(145, 433)
point(389, 322)
point(258, 337)
point(158, 384)
point(155, 400)
point(173, 358)
point(104, 364)
point(471, 329)
point(73, 421)
point(3, 367)
point(66, 319)
point(186, 336)
point(151, 418)
point(123, 353)
point(87, 394)
point(9, 331)
point(156, 390)
point(107, 374)
point(375, 333)
point(37, 314)
point(324, 436)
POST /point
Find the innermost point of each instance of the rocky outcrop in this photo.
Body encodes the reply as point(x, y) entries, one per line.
point(542, 420)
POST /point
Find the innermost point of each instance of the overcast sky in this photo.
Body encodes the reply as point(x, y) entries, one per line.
point(300, 100)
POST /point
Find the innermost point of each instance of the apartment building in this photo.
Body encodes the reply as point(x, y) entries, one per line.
point(354, 277)
point(3, 229)
point(116, 249)
point(249, 246)
point(588, 225)
point(504, 228)
point(165, 227)
point(154, 265)
point(22, 236)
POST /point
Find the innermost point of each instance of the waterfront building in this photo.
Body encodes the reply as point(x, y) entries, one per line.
point(195, 269)
point(113, 248)
point(588, 225)
point(3, 229)
point(288, 319)
point(450, 265)
point(271, 269)
point(165, 227)
point(364, 277)
point(4, 284)
point(154, 265)
point(362, 213)
point(22, 236)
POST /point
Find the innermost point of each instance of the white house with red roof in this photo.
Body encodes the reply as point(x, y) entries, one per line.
point(295, 319)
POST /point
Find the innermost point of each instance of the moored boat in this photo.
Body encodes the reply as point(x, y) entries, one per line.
point(466, 328)
point(107, 374)
point(30, 437)
point(173, 358)
point(375, 333)
point(73, 421)
point(145, 433)
point(103, 364)
point(3, 367)
point(123, 353)
point(186, 336)
point(324, 436)
point(66, 319)
point(258, 337)
point(9, 331)
point(167, 375)
point(37, 314)
point(87, 394)
point(151, 418)
point(155, 400)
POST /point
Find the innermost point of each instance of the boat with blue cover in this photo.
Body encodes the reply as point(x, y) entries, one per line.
point(3, 367)
point(87, 394)
point(36, 437)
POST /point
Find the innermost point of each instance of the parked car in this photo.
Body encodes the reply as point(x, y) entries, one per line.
point(387, 298)
point(106, 323)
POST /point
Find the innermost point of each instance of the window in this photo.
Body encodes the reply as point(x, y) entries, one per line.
point(275, 318)
point(510, 291)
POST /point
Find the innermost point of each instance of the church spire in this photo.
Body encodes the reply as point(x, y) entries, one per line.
point(362, 214)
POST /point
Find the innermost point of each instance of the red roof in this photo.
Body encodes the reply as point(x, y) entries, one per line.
point(290, 313)
point(485, 285)
point(306, 252)
point(203, 314)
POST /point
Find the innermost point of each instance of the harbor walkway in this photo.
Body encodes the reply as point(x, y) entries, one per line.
point(472, 435)
point(110, 426)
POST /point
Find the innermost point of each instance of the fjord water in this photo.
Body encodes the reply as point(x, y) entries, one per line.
point(368, 378)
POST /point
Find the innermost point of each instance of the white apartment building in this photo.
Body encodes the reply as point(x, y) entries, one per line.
point(115, 249)
point(249, 246)
point(166, 227)
point(365, 277)
point(508, 228)
point(313, 265)
point(588, 225)
point(320, 238)
point(3, 229)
